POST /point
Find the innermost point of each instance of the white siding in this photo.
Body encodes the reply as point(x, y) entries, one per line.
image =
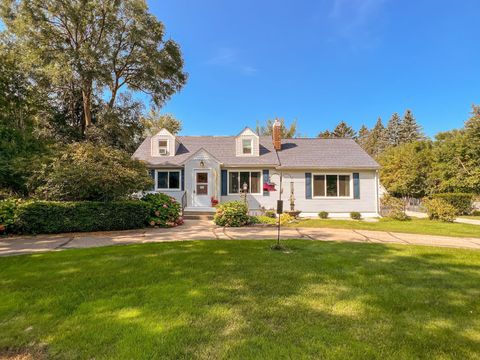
point(209, 163)
point(164, 135)
point(250, 135)
point(366, 204)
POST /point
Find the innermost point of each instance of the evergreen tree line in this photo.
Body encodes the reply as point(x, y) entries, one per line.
point(399, 130)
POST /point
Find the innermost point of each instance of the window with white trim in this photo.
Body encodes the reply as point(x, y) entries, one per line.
point(332, 185)
point(168, 180)
point(247, 146)
point(162, 147)
point(236, 180)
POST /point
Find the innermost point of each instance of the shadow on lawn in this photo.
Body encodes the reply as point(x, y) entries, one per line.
point(239, 299)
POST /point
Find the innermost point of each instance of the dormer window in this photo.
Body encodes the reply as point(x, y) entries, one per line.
point(247, 147)
point(162, 147)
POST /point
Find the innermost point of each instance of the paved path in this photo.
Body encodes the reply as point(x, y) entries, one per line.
point(205, 230)
point(458, 220)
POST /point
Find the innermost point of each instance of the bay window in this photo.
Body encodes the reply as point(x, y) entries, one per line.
point(331, 185)
point(236, 179)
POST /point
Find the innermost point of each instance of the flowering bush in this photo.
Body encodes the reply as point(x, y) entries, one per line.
point(164, 210)
point(233, 213)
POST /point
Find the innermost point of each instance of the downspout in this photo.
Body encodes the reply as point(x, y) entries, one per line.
point(377, 184)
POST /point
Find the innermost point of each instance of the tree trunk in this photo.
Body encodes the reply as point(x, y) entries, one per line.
point(87, 104)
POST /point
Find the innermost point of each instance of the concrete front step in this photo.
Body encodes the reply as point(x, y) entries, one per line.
point(198, 215)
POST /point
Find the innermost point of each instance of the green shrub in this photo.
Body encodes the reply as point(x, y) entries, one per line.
point(476, 212)
point(462, 202)
point(233, 213)
point(355, 215)
point(252, 220)
point(284, 219)
point(439, 209)
point(88, 172)
point(8, 209)
point(164, 210)
point(271, 213)
point(394, 208)
point(323, 214)
point(55, 217)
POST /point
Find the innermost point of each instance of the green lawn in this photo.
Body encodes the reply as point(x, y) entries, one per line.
point(414, 226)
point(241, 300)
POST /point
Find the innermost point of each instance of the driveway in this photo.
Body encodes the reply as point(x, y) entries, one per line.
point(205, 230)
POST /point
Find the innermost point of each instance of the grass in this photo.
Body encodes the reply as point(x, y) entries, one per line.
point(241, 300)
point(413, 226)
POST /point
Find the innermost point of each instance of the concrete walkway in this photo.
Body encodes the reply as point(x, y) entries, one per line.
point(205, 230)
point(458, 220)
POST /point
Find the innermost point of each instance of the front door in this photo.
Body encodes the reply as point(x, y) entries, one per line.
point(201, 190)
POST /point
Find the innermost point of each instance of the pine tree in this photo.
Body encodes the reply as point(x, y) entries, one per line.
point(392, 132)
point(343, 130)
point(410, 131)
point(325, 134)
point(376, 141)
point(363, 135)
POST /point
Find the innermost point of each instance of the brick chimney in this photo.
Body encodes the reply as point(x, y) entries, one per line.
point(277, 135)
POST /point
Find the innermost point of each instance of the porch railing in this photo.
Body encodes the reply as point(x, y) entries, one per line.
point(184, 202)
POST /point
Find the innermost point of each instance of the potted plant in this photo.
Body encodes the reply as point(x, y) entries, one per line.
point(214, 201)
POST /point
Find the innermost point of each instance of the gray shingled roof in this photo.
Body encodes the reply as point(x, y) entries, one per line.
point(221, 147)
point(295, 153)
point(324, 153)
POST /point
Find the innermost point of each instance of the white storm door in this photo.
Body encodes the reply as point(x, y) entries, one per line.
point(202, 188)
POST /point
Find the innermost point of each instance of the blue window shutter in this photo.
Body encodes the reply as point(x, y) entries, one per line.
point(224, 182)
point(266, 179)
point(151, 172)
point(308, 185)
point(182, 180)
point(356, 185)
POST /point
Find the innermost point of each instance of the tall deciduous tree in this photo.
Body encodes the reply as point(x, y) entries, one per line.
point(457, 157)
point(21, 146)
point(406, 169)
point(154, 121)
point(286, 131)
point(95, 46)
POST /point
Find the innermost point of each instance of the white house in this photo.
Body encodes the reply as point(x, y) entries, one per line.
point(334, 175)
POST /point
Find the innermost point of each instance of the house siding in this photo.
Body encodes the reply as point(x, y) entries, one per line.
point(367, 203)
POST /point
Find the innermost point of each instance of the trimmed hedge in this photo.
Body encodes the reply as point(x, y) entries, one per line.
point(462, 202)
point(55, 217)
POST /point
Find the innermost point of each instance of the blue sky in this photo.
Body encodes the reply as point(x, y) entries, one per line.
point(323, 61)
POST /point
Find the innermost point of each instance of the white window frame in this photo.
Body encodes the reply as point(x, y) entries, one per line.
point(249, 179)
point(166, 147)
point(251, 146)
point(338, 187)
point(168, 179)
